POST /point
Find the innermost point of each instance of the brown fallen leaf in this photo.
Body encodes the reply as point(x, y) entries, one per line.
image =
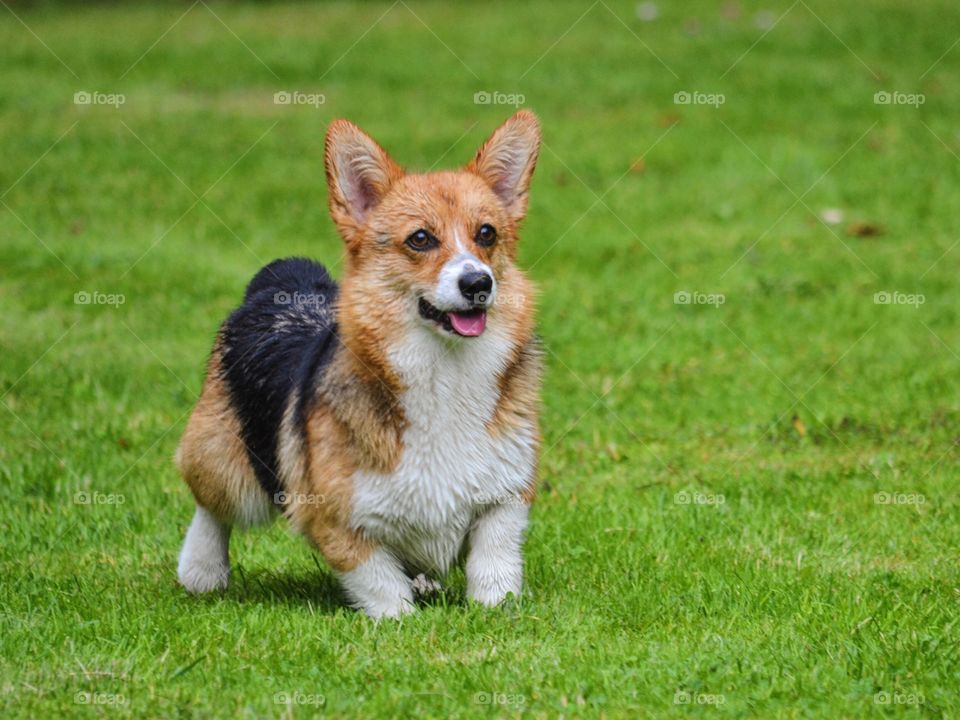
point(667, 119)
point(799, 426)
point(730, 10)
point(864, 229)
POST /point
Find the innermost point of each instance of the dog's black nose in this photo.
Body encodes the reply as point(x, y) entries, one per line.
point(475, 286)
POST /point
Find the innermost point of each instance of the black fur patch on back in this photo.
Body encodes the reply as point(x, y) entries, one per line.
point(278, 342)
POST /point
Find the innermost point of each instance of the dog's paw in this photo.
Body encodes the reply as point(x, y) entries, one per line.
point(388, 610)
point(425, 587)
point(492, 597)
point(203, 577)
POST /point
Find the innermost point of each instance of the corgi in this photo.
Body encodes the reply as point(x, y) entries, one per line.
point(393, 417)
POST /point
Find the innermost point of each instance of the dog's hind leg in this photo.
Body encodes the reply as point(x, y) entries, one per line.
point(205, 558)
point(213, 461)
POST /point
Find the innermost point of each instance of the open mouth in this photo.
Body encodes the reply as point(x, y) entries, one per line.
point(466, 323)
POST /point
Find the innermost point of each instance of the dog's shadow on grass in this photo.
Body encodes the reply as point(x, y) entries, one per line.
point(317, 588)
point(306, 588)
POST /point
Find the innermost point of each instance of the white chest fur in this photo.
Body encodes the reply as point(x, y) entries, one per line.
point(451, 466)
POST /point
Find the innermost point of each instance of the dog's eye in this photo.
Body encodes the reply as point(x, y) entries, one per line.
point(422, 240)
point(486, 236)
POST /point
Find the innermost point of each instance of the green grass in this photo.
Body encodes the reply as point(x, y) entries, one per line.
point(798, 399)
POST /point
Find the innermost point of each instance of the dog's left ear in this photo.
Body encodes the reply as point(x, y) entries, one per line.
point(359, 174)
point(506, 161)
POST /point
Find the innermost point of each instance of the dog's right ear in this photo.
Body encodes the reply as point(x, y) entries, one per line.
point(359, 174)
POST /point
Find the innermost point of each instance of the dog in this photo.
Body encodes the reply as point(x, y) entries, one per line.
point(393, 418)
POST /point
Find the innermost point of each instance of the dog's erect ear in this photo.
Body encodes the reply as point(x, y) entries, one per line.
point(359, 173)
point(506, 161)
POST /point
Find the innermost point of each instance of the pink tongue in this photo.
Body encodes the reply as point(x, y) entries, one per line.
point(469, 324)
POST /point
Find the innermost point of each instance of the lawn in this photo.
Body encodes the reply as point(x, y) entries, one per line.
point(748, 297)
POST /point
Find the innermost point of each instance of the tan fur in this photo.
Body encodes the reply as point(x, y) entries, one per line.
point(212, 457)
point(330, 463)
point(519, 402)
point(366, 407)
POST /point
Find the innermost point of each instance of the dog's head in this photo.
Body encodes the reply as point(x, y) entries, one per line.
point(434, 249)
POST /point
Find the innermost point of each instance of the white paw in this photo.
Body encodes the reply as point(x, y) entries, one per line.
point(424, 586)
point(202, 577)
point(204, 560)
point(379, 587)
point(493, 594)
point(380, 610)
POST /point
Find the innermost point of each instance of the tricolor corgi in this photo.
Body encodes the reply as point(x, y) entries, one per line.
point(393, 418)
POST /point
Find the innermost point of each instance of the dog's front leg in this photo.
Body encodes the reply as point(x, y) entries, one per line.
point(495, 559)
point(379, 586)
